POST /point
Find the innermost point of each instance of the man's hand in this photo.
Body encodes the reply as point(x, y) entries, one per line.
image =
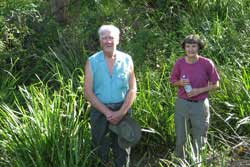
point(115, 117)
point(108, 114)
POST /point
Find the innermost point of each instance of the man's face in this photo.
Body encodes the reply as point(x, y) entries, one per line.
point(191, 49)
point(108, 42)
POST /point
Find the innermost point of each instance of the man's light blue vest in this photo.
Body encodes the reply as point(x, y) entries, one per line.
point(110, 88)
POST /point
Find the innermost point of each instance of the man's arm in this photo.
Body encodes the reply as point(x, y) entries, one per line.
point(131, 93)
point(89, 94)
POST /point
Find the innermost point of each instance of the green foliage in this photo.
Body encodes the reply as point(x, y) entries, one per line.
point(233, 99)
point(49, 129)
point(152, 109)
point(8, 85)
point(26, 34)
point(47, 124)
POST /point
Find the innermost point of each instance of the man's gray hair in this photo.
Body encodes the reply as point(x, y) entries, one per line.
point(109, 28)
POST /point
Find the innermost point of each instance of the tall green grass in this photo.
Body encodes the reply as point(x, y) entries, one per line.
point(50, 129)
point(45, 122)
point(154, 103)
point(154, 109)
point(8, 82)
point(233, 99)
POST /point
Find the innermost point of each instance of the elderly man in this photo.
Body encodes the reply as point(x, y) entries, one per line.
point(110, 87)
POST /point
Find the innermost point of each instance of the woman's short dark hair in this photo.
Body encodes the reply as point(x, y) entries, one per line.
point(193, 39)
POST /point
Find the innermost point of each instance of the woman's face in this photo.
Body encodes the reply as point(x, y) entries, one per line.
point(191, 49)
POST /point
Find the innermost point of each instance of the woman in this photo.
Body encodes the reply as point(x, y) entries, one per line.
point(195, 76)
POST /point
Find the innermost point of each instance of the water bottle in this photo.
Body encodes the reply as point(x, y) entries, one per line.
point(188, 88)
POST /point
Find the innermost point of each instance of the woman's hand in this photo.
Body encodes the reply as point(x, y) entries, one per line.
point(194, 92)
point(184, 82)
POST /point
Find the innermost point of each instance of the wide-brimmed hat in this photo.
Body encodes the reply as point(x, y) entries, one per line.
point(128, 132)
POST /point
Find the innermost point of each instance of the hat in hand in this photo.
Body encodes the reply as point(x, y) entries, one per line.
point(128, 132)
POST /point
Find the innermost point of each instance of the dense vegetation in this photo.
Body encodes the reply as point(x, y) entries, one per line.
point(44, 118)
